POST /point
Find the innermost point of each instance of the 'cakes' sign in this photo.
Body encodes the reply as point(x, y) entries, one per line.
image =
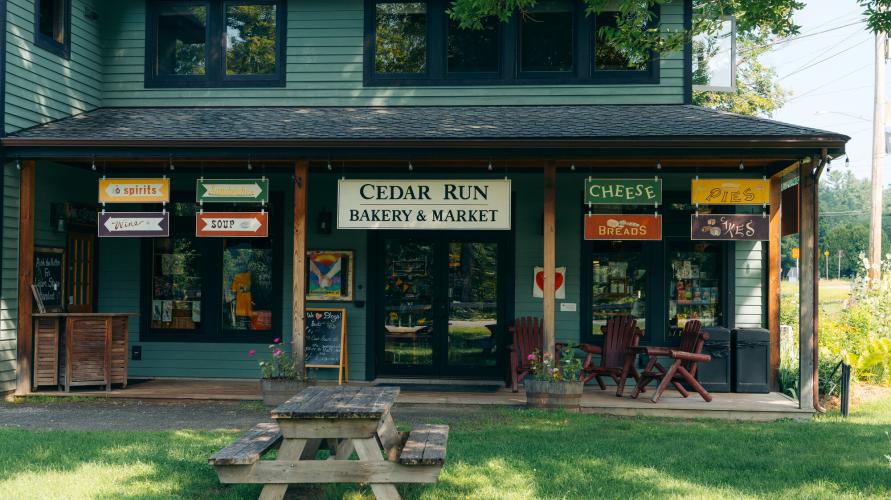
point(623, 227)
point(735, 227)
point(423, 204)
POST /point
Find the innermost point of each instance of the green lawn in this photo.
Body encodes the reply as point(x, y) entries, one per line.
point(503, 453)
point(833, 293)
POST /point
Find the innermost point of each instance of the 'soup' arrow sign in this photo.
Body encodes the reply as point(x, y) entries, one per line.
point(229, 224)
point(232, 190)
point(134, 190)
point(134, 224)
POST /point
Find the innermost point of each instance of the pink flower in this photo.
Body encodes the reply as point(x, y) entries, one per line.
point(546, 355)
point(277, 340)
point(252, 352)
point(531, 357)
point(277, 352)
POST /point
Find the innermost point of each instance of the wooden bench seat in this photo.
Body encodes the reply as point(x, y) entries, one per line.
point(426, 445)
point(249, 448)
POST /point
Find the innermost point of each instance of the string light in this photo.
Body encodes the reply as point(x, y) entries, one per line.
point(250, 167)
point(93, 166)
point(170, 160)
point(741, 166)
point(410, 166)
point(18, 163)
point(329, 165)
point(490, 165)
point(658, 165)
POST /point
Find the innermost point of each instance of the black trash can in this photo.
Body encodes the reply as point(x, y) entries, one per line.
point(715, 375)
point(751, 360)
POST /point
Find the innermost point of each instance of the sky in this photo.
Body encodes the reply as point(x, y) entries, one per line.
point(829, 71)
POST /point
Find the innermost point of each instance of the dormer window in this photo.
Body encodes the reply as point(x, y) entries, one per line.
point(53, 26)
point(215, 43)
point(553, 42)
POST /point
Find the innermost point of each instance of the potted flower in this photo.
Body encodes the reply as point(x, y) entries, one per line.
point(554, 385)
point(281, 379)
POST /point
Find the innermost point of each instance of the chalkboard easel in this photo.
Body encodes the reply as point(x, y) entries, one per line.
point(325, 341)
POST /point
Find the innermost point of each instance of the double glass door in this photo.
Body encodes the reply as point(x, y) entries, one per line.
point(439, 313)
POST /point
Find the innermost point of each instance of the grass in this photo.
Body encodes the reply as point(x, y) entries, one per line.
point(833, 293)
point(502, 453)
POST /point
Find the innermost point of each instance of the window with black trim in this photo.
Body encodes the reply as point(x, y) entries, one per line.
point(414, 42)
point(212, 289)
point(52, 19)
point(215, 43)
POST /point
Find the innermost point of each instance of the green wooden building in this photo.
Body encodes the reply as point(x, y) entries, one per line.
point(349, 109)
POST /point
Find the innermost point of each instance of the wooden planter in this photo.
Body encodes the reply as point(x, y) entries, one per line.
point(547, 394)
point(278, 390)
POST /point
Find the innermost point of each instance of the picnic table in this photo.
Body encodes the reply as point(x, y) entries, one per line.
point(343, 419)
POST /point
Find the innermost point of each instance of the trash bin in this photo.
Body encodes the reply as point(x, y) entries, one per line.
point(751, 360)
point(715, 375)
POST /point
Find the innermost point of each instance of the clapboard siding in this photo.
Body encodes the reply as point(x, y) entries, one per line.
point(42, 86)
point(749, 287)
point(9, 285)
point(324, 68)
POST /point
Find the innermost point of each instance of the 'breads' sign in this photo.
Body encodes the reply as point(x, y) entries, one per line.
point(623, 227)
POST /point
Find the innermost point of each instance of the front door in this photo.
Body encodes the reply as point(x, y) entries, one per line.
point(440, 313)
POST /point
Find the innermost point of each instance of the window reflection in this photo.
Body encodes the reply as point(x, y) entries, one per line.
point(182, 40)
point(610, 57)
point(400, 37)
point(247, 285)
point(250, 39)
point(546, 37)
point(473, 50)
point(176, 284)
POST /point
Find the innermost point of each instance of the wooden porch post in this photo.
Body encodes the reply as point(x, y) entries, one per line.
point(301, 172)
point(25, 341)
point(550, 257)
point(773, 276)
point(807, 283)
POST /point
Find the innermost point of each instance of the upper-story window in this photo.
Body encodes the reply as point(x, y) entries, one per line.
point(53, 26)
point(215, 43)
point(554, 41)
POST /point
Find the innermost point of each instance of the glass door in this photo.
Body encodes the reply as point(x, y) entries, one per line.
point(694, 285)
point(440, 309)
point(619, 282)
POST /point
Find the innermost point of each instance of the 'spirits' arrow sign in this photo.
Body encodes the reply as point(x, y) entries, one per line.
point(232, 190)
point(232, 224)
point(134, 225)
point(134, 190)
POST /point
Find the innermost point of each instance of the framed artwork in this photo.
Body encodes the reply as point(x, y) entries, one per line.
point(329, 275)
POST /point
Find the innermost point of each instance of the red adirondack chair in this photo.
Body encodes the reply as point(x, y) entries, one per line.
point(683, 369)
point(527, 338)
point(621, 334)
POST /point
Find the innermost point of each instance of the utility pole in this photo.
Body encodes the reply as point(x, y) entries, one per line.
point(878, 157)
point(839, 264)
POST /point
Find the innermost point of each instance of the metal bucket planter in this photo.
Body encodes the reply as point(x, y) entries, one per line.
point(548, 394)
point(278, 390)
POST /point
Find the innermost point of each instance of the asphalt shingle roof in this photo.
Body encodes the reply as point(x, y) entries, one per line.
point(415, 123)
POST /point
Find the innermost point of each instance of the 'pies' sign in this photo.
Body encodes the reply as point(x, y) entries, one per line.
point(623, 227)
point(730, 191)
point(735, 227)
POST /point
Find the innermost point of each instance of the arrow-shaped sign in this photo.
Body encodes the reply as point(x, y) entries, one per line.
point(232, 190)
point(134, 224)
point(134, 190)
point(240, 224)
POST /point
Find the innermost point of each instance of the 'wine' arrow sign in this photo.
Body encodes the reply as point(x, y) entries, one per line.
point(134, 225)
point(232, 224)
point(232, 190)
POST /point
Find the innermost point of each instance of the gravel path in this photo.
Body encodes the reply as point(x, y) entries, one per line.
point(122, 414)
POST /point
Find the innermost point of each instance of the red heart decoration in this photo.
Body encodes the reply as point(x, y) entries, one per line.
point(539, 280)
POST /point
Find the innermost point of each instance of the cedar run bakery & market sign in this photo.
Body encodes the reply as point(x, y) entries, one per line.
point(424, 204)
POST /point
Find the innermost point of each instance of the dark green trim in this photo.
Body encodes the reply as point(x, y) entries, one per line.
point(688, 53)
point(63, 49)
point(3, 21)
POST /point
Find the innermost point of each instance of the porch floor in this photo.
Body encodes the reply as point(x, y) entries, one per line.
point(732, 406)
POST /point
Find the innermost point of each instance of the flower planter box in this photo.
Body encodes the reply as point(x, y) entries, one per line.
point(278, 390)
point(547, 394)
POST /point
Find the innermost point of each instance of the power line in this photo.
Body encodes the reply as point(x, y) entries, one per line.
point(811, 65)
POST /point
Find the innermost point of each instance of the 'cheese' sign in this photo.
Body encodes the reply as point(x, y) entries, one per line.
point(623, 227)
point(731, 191)
point(134, 190)
point(623, 191)
point(232, 224)
point(423, 204)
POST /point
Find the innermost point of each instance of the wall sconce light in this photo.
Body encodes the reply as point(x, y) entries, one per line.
point(58, 219)
point(323, 223)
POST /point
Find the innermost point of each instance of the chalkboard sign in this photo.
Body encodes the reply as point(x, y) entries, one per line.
point(49, 273)
point(325, 341)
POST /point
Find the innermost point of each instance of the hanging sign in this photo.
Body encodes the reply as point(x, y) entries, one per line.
point(232, 224)
point(731, 191)
point(623, 227)
point(423, 204)
point(736, 227)
point(623, 191)
point(134, 224)
point(232, 190)
point(134, 190)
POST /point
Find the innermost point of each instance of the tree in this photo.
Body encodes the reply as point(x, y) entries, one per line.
point(851, 240)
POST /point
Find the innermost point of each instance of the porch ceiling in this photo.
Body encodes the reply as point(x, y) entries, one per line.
point(629, 131)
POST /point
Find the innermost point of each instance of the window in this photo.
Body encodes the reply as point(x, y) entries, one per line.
point(400, 43)
point(53, 24)
point(552, 42)
point(215, 43)
point(608, 57)
point(212, 289)
point(546, 37)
